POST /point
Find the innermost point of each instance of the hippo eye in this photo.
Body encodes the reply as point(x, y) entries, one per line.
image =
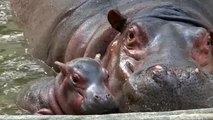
point(106, 78)
point(131, 35)
point(106, 73)
point(136, 37)
point(78, 81)
point(75, 78)
point(130, 39)
point(209, 41)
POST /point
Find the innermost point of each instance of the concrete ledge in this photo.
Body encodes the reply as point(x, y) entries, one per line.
point(197, 114)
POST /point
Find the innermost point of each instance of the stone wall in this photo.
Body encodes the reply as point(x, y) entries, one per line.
point(197, 114)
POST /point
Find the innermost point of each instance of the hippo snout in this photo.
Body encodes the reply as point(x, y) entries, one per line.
point(100, 102)
point(102, 98)
point(105, 102)
point(164, 76)
point(163, 88)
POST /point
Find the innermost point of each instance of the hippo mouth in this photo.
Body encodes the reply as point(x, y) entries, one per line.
point(161, 88)
point(89, 106)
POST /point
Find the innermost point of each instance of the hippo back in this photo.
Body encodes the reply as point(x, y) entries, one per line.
point(49, 25)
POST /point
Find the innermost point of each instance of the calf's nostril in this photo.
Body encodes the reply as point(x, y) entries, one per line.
point(96, 97)
point(102, 98)
point(108, 96)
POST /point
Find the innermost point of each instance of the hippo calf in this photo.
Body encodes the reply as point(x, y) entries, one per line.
point(80, 88)
point(158, 53)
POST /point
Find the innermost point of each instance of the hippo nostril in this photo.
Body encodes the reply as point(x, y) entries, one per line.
point(108, 96)
point(157, 76)
point(197, 71)
point(104, 98)
point(158, 68)
point(96, 97)
point(157, 71)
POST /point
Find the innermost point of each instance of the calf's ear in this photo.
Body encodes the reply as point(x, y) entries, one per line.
point(116, 19)
point(62, 67)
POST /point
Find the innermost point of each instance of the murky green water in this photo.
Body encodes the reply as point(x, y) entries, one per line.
point(16, 65)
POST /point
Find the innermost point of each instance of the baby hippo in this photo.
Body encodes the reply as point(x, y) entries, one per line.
point(80, 88)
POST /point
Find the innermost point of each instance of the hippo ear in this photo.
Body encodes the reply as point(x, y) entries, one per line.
point(116, 19)
point(62, 67)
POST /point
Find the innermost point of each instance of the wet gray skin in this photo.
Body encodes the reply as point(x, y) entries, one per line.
point(173, 68)
point(158, 52)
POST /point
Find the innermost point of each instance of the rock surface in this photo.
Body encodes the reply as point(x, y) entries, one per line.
point(197, 114)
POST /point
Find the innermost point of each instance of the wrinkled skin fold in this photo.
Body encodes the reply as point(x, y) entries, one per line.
point(159, 54)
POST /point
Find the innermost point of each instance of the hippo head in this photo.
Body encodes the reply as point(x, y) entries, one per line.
point(164, 58)
point(84, 89)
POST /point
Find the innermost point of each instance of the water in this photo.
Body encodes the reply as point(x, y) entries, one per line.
point(16, 65)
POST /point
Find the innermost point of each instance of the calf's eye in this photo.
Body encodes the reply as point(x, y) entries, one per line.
point(209, 40)
point(75, 78)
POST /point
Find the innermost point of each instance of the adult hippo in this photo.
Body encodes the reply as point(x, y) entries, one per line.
point(158, 52)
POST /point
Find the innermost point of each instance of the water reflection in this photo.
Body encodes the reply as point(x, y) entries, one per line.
point(16, 65)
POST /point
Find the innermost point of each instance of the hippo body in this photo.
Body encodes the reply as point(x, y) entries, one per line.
point(75, 91)
point(158, 52)
point(34, 96)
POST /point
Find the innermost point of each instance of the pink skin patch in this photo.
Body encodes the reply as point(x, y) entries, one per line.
point(158, 68)
point(201, 50)
point(76, 104)
point(197, 70)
